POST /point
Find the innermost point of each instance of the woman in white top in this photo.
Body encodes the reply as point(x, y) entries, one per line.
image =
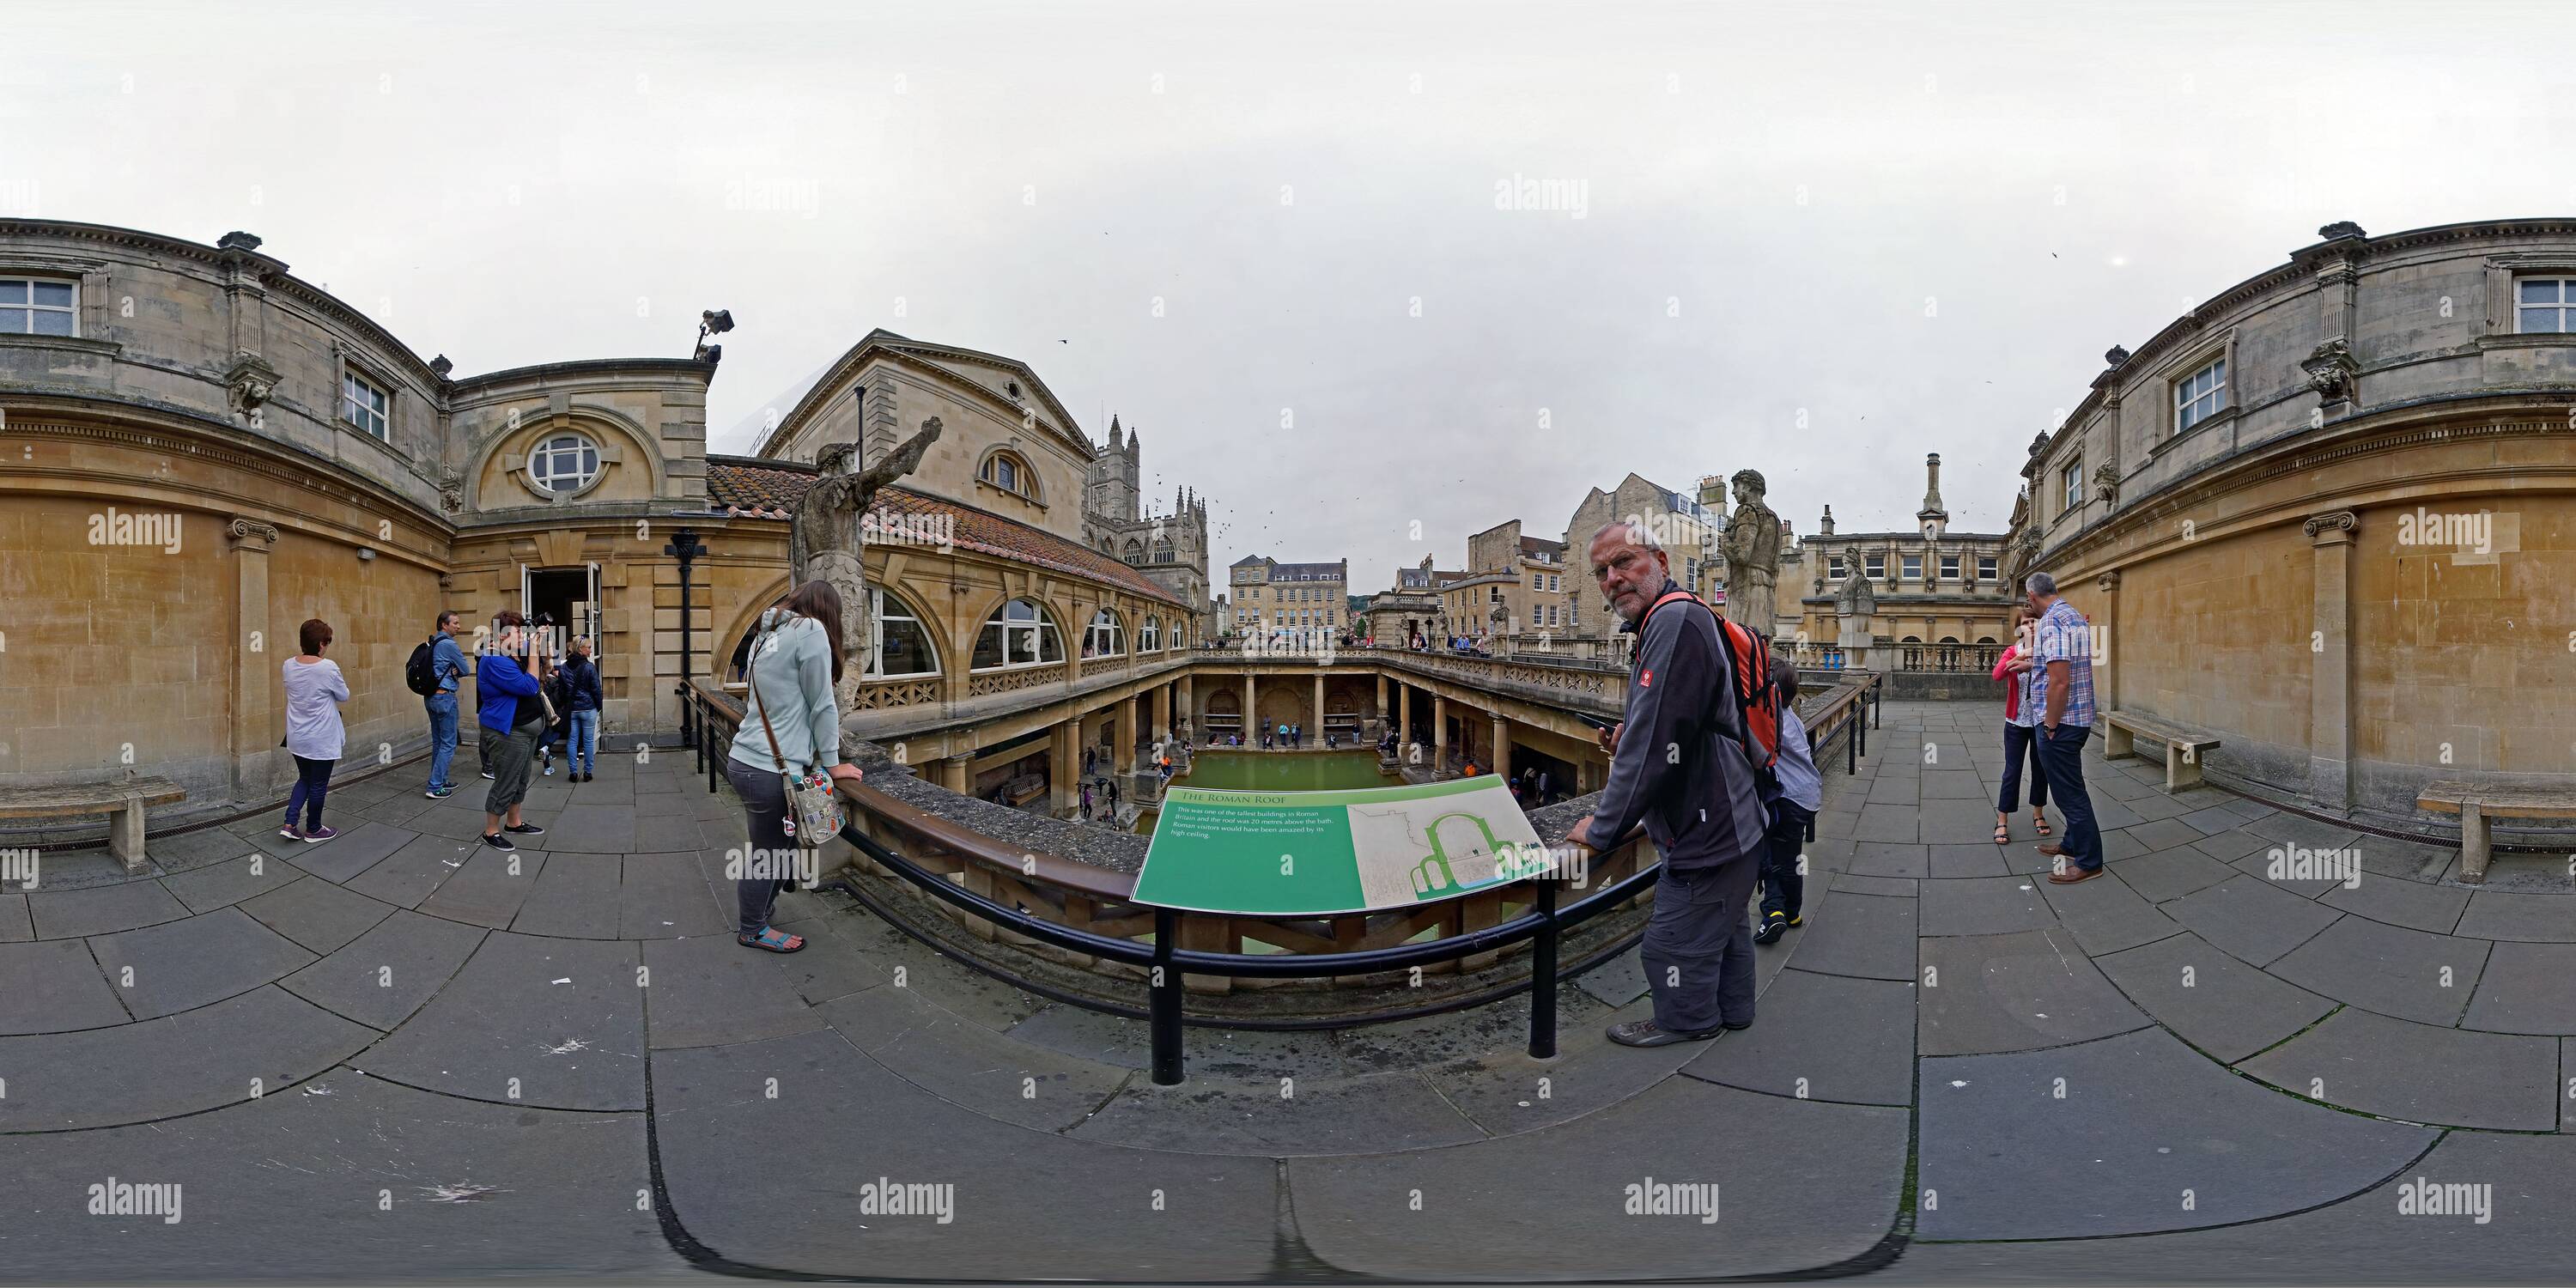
point(314, 692)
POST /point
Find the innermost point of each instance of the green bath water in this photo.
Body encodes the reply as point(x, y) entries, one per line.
point(1274, 771)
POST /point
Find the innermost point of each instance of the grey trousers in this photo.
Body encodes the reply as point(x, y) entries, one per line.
point(1698, 951)
point(508, 755)
point(764, 806)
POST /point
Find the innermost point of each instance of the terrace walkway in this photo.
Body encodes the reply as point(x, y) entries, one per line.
point(1959, 1073)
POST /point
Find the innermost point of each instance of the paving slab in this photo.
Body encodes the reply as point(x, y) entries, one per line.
point(2491, 914)
point(1800, 1185)
point(711, 989)
point(2228, 847)
point(1861, 935)
point(1232, 1111)
point(1884, 822)
point(2273, 867)
point(2105, 915)
point(287, 1188)
point(2209, 820)
point(2015, 992)
point(178, 1064)
point(1024, 1204)
point(1888, 859)
point(189, 851)
point(487, 887)
point(352, 852)
point(101, 910)
point(1622, 979)
point(1890, 790)
point(410, 875)
point(181, 965)
point(54, 986)
point(2388, 969)
point(382, 976)
point(2211, 1000)
point(2420, 1072)
point(608, 829)
point(664, 896)
point(575, 896)
point(2526, 988)
point(2295, 829)
point(1954, 785)
point(2171, 874)
point(1983, 906)
point(316, 914)
point(2368, 1238)
point(1958, 821)
point(221, 885)
point(15, 925)
point(1891, 887)
point(1974, 859)
point(562, 1018)
point(2251, 918)
point(457, 818)
point(2141, 1119)
point(1504, 1092)
point(1821, 1037)
point(2397, 901)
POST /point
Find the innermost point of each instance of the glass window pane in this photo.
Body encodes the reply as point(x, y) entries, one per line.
point(590, 460)
point(13, 292)
point(14, 322)
point(1050, 649)
point(2535, 290)
point(2539, 321)
point(55, 293)
point(905, 646)
point(988, 648)
point(53, 322)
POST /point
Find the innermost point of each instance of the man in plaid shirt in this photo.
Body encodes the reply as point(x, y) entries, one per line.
point(2062, 683)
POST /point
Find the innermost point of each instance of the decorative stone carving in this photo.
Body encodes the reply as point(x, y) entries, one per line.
point(451, 490)
point(2341, 228)
point(1751, 549)
point(2109, 581)
point(2336, 525)
point(237, 241)
point(2039, 443)
point(824, 539)
point(2106, 482)
point(2332, 370)
point(251, 381)
point(252, 535)
point(440, 366)
point(1855, 597)
point(2114, 356)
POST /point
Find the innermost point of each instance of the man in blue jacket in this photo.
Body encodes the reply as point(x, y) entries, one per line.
point(1678, 766)
point(513, 717)
point(447, 662)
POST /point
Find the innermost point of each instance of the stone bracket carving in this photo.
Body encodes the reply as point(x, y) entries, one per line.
point(251, 380)
point(2332, 370)
point(2338, 525)
point(252, 535)
point(2108, 582)
point(2106, 482)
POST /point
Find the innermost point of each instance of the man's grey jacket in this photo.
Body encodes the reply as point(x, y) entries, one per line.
point(1680, 766)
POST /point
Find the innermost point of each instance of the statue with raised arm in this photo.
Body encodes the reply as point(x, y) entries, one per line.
point(1752, 552)
point(824, 540)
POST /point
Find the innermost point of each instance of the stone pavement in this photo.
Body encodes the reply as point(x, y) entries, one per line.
point(2195, 1068)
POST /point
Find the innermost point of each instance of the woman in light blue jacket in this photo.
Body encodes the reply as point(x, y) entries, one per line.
point(792, 670)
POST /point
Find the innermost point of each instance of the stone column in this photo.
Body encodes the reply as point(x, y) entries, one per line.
point(1404, 712)
point(1502, 745)
point(1064, 766)
point(1163, 711)
point(1315, 728)
point(953, 773)
point(2330, 662)
point(1251, 713)
point(1381, 700)
point(1439, 735)
point(257, 706)
point(1122, 735)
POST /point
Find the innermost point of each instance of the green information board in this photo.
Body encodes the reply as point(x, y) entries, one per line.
point(1319, 853)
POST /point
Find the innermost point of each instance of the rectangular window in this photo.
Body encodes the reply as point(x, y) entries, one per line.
point(2200, 395)
point(1551, 581)
point(39, 306)
point(365, 406)
point(2074, 480)
point(1874, 566)
point(1834, 565)
point(2542, 305)
point(1949, 567)
point(1913, 565)
point(1986, 568)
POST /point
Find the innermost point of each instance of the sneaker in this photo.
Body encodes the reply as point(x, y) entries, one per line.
point(290, 832)
point(319, 835)
point(550, 767)
point(487, 773)
point(440, 793)
point(525, 829)
point(1773, 926)
point(498, 841)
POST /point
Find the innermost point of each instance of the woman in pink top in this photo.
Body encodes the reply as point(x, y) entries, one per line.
point(2021, 718)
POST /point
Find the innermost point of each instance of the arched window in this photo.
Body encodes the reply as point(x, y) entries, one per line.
point(901, 644)
point(1103, 638)
point(564, 463)
point(1135, 552)
point(1911, 639)
point(1005, 470)
point(1149, 637)
point(1019, 633)
point(1163, 550)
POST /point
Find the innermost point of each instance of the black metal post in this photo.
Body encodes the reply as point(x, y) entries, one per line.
point(1860, 730)
point(688, 708)
point(1877, 691)
point(1165, 984)
point(684, 546)
point(1542, 1043)
point(1851, 745)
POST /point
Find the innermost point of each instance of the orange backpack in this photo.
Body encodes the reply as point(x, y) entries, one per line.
point(1757, 702)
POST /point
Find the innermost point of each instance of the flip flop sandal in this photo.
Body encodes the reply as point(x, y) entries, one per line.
point(2003, 833)
point(770, 939)
point(2042, 825)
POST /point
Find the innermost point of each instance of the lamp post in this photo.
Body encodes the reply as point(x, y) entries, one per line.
point(686, 548)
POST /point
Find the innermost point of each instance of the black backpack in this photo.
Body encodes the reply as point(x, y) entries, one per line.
point(421, 672)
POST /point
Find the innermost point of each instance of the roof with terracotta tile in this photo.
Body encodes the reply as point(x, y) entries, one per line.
point(765, 489)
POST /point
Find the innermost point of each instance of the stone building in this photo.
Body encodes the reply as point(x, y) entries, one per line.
point(1170, 549)
point(1686, 529)
point(2329, 516)
point(1511, 595)
point(1271, 596)
point(306, 463)
point(1934, 588)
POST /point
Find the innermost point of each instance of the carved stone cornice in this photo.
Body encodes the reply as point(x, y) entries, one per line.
point(2108, 582)
point(251, 380)
point(251, 536)
point(2332, 370)
point(2333, 527)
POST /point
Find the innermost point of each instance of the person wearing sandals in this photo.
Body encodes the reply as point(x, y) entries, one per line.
point(2021, 736)
point(314, 691)
point(792, 727)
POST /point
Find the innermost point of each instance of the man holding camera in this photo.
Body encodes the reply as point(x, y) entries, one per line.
point(510, 680)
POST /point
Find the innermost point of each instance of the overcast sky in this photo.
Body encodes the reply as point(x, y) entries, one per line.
point(1818, 240)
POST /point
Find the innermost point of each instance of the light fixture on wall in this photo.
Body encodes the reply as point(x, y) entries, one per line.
point(712, 322)
point(366, 555)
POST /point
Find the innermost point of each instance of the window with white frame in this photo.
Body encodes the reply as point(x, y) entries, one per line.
point(901, 646)
point(39, 306)
point(2200, 395)
point(563, 463)
point(1018, 633)
point(1102, 638)
point(2542, 305)
point(2074, 480)
point(1949, 567)
point(1874, 566)
point(1834, 565)
point(1011, 474)
point(1913, 567)
point(365, 405)
point(1149, 637)
point(1986, 568)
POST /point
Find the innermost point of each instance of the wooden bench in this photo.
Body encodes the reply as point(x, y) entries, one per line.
point(2183, 747)
point(2476, 804)
point(122, 800)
